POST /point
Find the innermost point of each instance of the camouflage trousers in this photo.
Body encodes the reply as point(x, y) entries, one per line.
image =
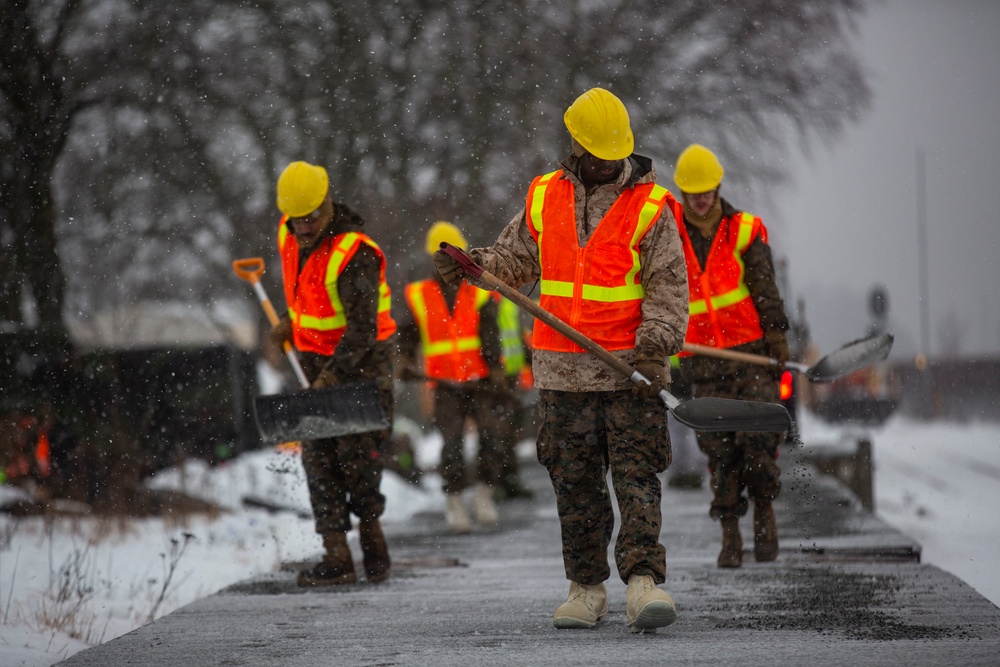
point(479, 402)
point(741, 461)
point(344, 475)
point(582, 436)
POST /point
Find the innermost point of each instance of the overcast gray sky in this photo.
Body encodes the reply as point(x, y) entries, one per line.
point(849, 221)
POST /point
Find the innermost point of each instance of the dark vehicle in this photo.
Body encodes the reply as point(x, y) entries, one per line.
point(865, 397)
point(65, 413)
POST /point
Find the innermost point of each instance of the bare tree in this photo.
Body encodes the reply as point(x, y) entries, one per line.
point(434, 111)
point(146, 137)
point(38, 110)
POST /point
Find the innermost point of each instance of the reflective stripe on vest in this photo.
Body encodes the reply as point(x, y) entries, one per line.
point(511, 343)
point(450, 340)
point(318, 319)
point(743, 239)
point(596, 288)
point(728, 318)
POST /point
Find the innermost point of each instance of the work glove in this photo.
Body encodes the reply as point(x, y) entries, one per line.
point(653, 367)
point(326, 378)
point(280, 332)
point(447, 267)
point(335, 371)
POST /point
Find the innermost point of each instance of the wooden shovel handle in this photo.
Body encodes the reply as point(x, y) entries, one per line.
point(732, 355)
point(494, 284)
point(250, 269)
point(701, 414)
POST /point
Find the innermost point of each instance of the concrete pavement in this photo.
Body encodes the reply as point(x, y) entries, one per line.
point(846, 590)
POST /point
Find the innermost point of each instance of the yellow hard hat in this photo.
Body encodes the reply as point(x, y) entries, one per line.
point(698, 170)
point(302, 187)
point(445, 232)
point(599, 122)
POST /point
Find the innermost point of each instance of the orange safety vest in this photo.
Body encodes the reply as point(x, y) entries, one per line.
point(595, 289)
point(721, 311)
point(318, 319)
point(452, 347)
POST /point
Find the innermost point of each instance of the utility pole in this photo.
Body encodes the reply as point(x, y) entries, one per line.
point(925, 306)
point(926, 390)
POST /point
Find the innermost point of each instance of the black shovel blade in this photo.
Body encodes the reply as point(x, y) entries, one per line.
point(726, 414)
point(851, 357)
point(320, 413)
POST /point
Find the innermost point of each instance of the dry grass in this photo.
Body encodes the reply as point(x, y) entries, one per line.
point(68, 604)
point(63, 607)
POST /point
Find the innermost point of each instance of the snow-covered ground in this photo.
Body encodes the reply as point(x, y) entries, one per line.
point(70, 583)
point(939, 483)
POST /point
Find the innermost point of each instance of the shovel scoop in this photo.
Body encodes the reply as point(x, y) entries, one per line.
point(320, 413)
point(843, 361)
point(312, 414)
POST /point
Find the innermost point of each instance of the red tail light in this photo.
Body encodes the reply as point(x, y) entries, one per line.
point(785, 386)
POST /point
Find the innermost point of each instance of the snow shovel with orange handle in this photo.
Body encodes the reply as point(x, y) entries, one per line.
point(315, 413)
point(843, 361)
point(250, 270)
point(701, 414)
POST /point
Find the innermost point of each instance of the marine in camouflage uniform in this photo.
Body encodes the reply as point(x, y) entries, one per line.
point(344, 474)
point(742, 463)
point(454, 402)
point(592, 417)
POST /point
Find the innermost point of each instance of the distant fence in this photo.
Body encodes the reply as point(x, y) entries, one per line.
point(197, 401)
point(959, 389)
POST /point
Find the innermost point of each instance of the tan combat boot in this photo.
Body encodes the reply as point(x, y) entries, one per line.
point(376, 553)
point(646, 606)
point(337, 566)
point(483, 508)
point(583, 608)
point(732, 543)
point(765, 532)
point(455, 514)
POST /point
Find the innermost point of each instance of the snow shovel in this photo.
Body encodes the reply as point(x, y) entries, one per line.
point(701, 414)
point(851, 357)
point(316, 413)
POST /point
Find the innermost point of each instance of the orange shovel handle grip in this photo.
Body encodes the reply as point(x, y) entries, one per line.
point(249, 268)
